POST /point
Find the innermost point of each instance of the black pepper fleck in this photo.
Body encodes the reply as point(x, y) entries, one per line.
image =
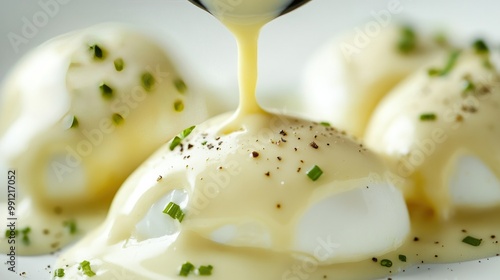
point(314, 145)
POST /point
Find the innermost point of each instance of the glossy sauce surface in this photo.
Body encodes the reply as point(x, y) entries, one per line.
point(272, 193)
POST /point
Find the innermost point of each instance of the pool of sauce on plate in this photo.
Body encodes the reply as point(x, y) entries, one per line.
point(430, 241)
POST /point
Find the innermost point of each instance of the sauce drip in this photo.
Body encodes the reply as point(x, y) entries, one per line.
point(244, 20)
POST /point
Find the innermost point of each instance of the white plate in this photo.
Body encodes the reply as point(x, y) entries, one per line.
point(203, 49)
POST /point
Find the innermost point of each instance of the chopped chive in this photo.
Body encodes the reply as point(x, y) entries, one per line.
point(70, 121)
point(119, 64)
point(59, 272)
point(185, 133)
point(186, 269)
point(408, 40)
point(433, 72)
point(117, 119)
point(175, 142)
point(25, 238)
point(205, 270)
point(178, 139)
point(74, 122)
point(480, 46)
point(402, 258)
point(468, 85)
point(314, 173)
point(86, 269)
point(203, 143)
point(472, 241)
point(7, 233)
point(452, 60)
point(441, 39)
point(106, 91)
point(97, 51)
point(386, 263)
point(487, 64)
point(327, 124)
point(179, 106)
point(71, 225)
point(148, 81)
point(428, 117)
point(174, 211)
point(180, 85)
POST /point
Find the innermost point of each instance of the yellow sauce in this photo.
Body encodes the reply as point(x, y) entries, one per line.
point(271, 194)
point(117, 249)
point(60, 167)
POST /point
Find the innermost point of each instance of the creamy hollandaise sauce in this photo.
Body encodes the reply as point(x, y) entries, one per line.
point(245, 19)
point(258, 195)
point(78, 115)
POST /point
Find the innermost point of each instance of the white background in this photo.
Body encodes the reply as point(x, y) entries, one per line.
point(206, 52)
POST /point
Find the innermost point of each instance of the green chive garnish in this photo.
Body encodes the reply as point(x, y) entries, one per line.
point(179, 106)
point(178, 139)
point(148, 81)
point(314, 173)
point(87, 270)
point(468, 85)
point(185, 133)
point(480, 47)
point(25, 238)
point(71, 225)
point(119, 64)
point(386, 263)
point(186, 269)
point(74, 122)
point(97, 51)
point(180, 85)
point(117, 119)
point(7, 233)
point(174, 211)
point(327, 124)
point(175, 142)
point(428, 117)
point(433, 72)
point(70, 121)
point(402, 258)
point(441, 39)
point(452, 60)
point(59, 272)
point(106, 91)
point(472, 241)
point(205, 270)
point(408, 41)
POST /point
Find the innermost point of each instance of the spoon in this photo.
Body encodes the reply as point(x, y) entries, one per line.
point(294, 5)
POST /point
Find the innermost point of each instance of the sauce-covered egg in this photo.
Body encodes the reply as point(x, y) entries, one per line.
point(79, 114)
point(277, 191)
point(347, 78)
point(440, 128)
